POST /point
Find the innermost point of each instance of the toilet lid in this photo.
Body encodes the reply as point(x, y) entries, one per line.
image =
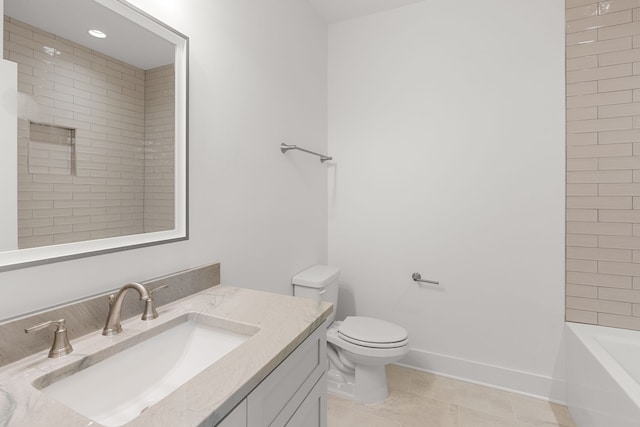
point(370, 332)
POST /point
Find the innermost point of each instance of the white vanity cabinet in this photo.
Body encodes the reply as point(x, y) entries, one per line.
point(293, 395)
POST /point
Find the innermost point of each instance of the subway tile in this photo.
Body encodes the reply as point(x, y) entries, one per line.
point(619, 110)
point(636, 310)
point(586, 113)
point(600, 73)
point(621, 268)
point(629, 216)
point(582, 189)
point(613, 150)
point(582, 37)
point(614, 163)
point(619, 242)
point(582, 215)
point(598, 125)
point(600, 99)
point(613, 58)
point(583, 240)
point(620, 83)
point(581, 316)
point(605, 176)
point(600, 47)
point(583, 11)
point(610, 6)
point(589, 304)
point(619, 189)
point(606, 20)
point(617, 321)
point(618, 137)
point(599, 202)
point(606, 33)
point(590, 164)
point(598, 279)
point(599, 254)
point(575, 3)
point(600, 228)
point(586, 266)
point(580, 88)
point(585, 291)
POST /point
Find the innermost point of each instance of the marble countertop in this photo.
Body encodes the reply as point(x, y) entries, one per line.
point(283, 322)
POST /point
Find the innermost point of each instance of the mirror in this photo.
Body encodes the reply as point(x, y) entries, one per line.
point(99, 162)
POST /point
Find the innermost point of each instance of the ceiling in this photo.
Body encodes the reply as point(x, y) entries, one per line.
point(129, 42)
point(340, 10)
point(71, 19)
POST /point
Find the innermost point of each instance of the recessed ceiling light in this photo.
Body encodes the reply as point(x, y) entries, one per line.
point(98, 34)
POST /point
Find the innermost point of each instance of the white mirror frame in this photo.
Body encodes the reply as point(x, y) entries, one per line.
point(21, 258)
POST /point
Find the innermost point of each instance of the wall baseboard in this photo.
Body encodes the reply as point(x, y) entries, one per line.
point(514, 381)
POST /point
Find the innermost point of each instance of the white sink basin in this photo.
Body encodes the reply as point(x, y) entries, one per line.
point(118, 387)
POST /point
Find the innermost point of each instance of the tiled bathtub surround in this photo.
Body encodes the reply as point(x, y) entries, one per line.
point(120, 114)
point(89, 315)
point(603, 162)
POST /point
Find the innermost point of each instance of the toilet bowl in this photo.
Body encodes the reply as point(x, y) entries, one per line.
point(358, 348)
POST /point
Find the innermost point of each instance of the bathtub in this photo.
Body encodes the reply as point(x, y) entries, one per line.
point(603, 376)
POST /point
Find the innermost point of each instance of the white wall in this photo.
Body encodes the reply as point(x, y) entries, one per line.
point(257, 78)
point(9, 171)
point(446, 120)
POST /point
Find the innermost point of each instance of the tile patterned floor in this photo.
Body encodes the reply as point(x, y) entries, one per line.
point(420, 399)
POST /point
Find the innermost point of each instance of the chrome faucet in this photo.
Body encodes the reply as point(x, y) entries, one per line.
point(113, 325)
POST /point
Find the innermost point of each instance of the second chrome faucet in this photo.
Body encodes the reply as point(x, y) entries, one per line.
point(113, 325)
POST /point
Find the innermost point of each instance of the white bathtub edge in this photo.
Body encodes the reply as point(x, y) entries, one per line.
point(599, 391)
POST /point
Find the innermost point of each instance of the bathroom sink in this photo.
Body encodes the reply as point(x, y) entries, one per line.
point(124, 380)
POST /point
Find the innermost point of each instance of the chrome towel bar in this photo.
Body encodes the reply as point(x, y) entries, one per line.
point(286, 147)
point(417, 277)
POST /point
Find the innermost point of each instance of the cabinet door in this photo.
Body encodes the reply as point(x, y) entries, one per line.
point(237, 417)
point(274, 401)
point(313, 411)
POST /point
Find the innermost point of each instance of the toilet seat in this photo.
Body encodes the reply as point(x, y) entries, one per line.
point(370, 351)
point(373, 333)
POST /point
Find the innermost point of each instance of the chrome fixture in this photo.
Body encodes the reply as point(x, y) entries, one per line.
point(286, 147)
point(61, 345)
point(113, 325)
point(417, 277)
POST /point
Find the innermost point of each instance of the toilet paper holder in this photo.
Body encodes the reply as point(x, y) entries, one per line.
point(417, 277)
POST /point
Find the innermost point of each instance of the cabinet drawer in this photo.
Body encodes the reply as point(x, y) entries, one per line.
point(237, 417)
point(276, 398)
point(313, 411)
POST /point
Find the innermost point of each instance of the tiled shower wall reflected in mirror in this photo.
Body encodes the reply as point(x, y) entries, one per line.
point(120, 115)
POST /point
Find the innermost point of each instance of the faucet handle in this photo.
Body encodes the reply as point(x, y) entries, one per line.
point(61, 345)
point(150, 311)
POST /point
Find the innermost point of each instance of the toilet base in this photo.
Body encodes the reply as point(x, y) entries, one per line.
point(371, 383)
point(340, 384)
point(368, 385)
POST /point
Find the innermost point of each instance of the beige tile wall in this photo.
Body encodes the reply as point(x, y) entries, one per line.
point(159, 197)
point(603, 162)
point(103, 99)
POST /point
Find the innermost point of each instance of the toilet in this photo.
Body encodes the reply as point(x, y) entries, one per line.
point(358, 348)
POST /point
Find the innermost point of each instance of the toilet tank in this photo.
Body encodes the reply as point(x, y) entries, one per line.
point(319, 283)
